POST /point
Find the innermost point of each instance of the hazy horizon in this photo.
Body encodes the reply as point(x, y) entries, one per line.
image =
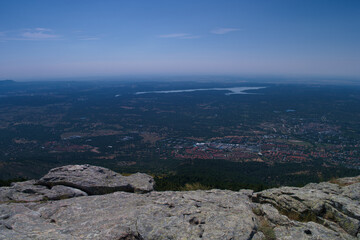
point(236, 79)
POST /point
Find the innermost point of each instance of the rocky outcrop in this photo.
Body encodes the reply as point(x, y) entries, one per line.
point(29, 191)
point(335, 206)
point(316, 211)
point(75, 181)
point(97, 180)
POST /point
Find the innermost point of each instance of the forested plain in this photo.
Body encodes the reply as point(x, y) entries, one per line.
point(280, 134)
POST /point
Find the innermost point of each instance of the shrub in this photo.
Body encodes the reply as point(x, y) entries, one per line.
point(194, 186)
point(267, 230)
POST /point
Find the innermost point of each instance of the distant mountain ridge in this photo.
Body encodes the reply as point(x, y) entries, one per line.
point(64, 204)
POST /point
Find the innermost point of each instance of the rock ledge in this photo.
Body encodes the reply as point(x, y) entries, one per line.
point(97, 180)
point(134, 211)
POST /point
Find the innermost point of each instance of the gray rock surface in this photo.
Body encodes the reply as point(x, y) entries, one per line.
point(335, 206)
point(75, 181)
point(158, 215)
point(215, 214)
point(96, 180)
point(29, 191)
point(352, 191)
point(316, 211)
point(308, 230)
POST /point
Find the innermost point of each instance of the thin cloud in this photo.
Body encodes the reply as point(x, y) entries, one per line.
point(29, 34)
point(43, 29)
point(179, 36)
point(221, 31)
point(38, 35)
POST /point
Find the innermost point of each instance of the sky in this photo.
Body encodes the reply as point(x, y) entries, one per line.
point(42, 39)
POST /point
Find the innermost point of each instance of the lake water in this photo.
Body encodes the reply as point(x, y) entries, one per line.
point(230, 91)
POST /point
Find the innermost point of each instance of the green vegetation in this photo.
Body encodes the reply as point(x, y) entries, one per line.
point(302, 217)
point(5, 183)
point(194, 186)
point(258, 211)
point(267, 230)
point(329, 215)
point(339, 182)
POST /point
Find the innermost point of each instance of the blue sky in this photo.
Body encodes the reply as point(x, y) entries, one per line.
point(84, 38)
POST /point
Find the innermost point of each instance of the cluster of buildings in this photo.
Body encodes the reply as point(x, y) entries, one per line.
point(264, 148)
